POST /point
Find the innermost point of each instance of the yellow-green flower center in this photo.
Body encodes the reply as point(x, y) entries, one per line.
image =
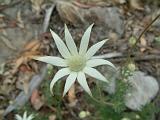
point(76, 63)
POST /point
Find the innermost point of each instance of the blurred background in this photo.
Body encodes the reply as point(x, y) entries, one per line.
point(24, 32)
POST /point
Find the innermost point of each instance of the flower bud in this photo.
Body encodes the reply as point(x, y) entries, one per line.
point(131, 67)
point(132, 41)
point(84, 114)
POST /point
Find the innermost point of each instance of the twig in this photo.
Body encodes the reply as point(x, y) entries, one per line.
point(3, 7)
point(109, 55)
point(139, 58)
point(7, 42)
point(22, 98)
point(47, 18)
point(147, 27)
point(117, 57)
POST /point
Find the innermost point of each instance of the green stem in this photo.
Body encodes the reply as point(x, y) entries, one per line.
point(59, 101)
point(59, 109)
point(138, 39)
point(147, 27)
point(100, 100)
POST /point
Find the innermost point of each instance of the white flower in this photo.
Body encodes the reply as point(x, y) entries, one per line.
point(76, 63)
point(18, 117)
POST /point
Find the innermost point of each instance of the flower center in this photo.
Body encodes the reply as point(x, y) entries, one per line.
point(76, 63)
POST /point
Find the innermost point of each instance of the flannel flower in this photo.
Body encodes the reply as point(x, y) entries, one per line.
point(18, 117)
point(76, 63)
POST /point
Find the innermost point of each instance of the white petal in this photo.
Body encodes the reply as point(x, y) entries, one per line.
point(60, 45)
point(57, 61)
point(61, 73)
point(97, 62)
point(69, 82)
point(70, 42)
point(30, 117)
point(92, 50)
point(82, 81)
point(85, 40)
point(95, 74)
point(18, 117)
point(25, 115)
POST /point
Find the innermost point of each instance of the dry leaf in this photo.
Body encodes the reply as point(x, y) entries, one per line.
point(30, 49)
point(143, 42)
point(5, 89)
point(71, 96)
point(19, 19)
point(2, 67)
point(36, 100)
point(36, 5)
point(7, 42)
point(136, 4)
point(69, 13)
point(31, 45)
point(52, 117)
point(1, 114)
point(22, 98)
point(23, 80)
point(89, 4)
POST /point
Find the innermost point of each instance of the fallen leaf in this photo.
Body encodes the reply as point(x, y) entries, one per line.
point(31, 45)
point(30, 49)
point(36, 5)
point(52, 117)
point(19, 19)
point(89, 4)
point(5, 89)
point(72, 97)
point(136, 4)
point(7, 42)
point(69, 13)
point(2, 66)
point(22, 98)
point(36, 100)
point(143, 42)
point(1, 114)
point(23, 80)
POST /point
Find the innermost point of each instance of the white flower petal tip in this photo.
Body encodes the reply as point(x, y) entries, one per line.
point(61, 73)
point(82, 81)
point(95, 74)
point(18, 117)
point(98, 62)
point(69, 82)
point(52, 60)
point(62, 48)
point(70, 42)
point(85, 40)
point(93, 49)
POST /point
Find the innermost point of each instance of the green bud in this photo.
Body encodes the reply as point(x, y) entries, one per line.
point(84, 114)
point(132, 41)
point(125, 119)
point(137, 117)
point(131, 67)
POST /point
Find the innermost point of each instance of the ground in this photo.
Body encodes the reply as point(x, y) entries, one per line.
point(24, 27)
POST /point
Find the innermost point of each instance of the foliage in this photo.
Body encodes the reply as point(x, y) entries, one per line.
point(118, 98)
point(119, 111)
point(148, 112)
point(30, 110)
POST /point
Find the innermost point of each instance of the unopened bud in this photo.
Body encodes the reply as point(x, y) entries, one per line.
point(132, 41)
point(84, 114)
point(131, 67)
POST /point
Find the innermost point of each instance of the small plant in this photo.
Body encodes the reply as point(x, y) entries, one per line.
point(18, 117)
point(76, 63)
